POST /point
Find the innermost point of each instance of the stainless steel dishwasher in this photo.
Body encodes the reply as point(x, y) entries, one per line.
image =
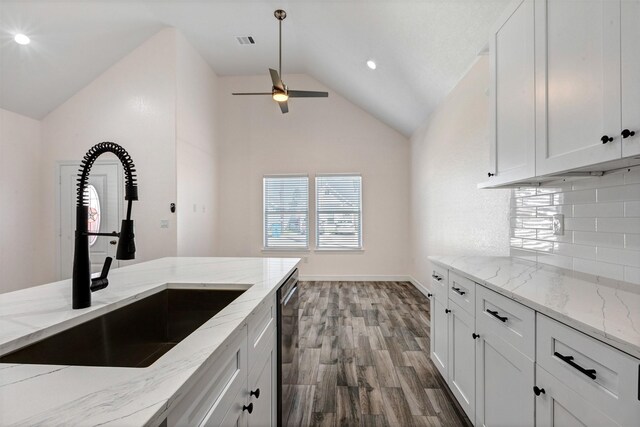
point(288, 305)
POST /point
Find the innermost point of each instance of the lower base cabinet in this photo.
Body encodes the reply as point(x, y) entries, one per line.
point(462, 356)
point(559, 406)
point(439, 336)
point(261, 391)
point(504, 384)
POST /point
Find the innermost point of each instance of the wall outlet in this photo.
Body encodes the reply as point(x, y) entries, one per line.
point(558, 225)
point(164, 223)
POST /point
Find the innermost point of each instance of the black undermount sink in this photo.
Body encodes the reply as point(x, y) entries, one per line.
point(133, 336)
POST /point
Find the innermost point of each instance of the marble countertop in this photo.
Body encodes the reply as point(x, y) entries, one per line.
point(605, 309)
point(81, 395)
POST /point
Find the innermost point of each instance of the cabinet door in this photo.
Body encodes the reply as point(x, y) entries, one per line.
point(560, 406)
point(513, 96)
point(462, 358)
point(262, 397)
point(504, 384)
point(439, 336)
point(630, 31)
point(577, 83)
point(237, 415)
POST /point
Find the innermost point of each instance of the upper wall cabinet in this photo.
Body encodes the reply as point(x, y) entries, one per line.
point(513, 95)
point(572, 68)
point(578, 84)
point(630, 31)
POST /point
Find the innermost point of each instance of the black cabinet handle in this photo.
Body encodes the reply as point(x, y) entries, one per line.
point(446, 310)
point(435, 276)
point(537, 390)
point(496, 315)
point(458, 290)
point(474, 335)
point(627, 133)
point(248, 408)
point(255, 393)
point(591, 373)
point(491, 174)
point(605, 139)
point(429, 295)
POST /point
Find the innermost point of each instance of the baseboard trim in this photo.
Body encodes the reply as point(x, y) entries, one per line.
point(355, 278)
point(419, 286)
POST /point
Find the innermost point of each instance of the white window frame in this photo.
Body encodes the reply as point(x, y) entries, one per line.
point(264, 215)
point(360, 247)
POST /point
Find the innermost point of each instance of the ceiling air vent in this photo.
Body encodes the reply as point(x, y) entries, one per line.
point(245, 40)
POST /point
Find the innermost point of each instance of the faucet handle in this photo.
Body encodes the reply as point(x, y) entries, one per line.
point(102, 282)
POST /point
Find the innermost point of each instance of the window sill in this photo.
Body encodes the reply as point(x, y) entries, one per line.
point(339, 250)
point(286, 250)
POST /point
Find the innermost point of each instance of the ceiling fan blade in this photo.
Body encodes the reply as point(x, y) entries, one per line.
point(275, 78)
point(284, 107)
point(306, 94)
point(252, 93)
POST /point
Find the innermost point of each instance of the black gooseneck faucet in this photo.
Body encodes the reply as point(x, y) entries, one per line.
point(82, 283)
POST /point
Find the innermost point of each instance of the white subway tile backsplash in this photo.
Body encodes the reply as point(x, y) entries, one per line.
point(577, 251)
point(597, 210)
point(632, 209)
point(601, 219)
point(622, 192)
point(619, 225)
point(610, 240)
point(580, 224)
point(612, 271)
point(574, 197)
point(619, 256)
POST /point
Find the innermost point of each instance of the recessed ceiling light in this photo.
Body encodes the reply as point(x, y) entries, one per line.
point(371, 64)
point(22, 39)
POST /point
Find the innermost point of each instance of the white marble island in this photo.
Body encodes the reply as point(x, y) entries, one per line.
point(81, 395)
point(605, 309)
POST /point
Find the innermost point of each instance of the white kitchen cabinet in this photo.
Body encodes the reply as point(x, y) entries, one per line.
point(236, 416)
point(513, 95)
point(577, 83)
point(261, 390)
point(440, 335)
point(630, 31)
point(462, 357)
point(559, 406)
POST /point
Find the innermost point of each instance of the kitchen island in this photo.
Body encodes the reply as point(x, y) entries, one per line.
point(33, 394)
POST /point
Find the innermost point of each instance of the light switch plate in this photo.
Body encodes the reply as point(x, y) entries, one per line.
point(558, 225)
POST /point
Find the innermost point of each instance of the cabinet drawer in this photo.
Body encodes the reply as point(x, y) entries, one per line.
point(598, 372)
point(462, 291)
point(439, 282)
point(509, 320)
point(216, 385)
point(262, 326)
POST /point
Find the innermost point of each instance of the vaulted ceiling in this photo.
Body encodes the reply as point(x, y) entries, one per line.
point(422, 48)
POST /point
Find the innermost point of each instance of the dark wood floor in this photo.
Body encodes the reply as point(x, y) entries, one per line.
point(364, 358)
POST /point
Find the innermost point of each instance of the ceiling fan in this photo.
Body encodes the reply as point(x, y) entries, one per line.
point(280, 92)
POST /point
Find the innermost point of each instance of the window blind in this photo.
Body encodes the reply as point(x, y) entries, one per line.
point(339, 211)
point(286, 212)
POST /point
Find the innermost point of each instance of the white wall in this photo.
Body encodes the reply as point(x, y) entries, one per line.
point(132, 104)
point(197, 126)
point(316, 136)
point(21, 249)
point(449, 156)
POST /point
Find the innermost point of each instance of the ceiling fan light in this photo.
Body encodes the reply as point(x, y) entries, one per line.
point(280, 96)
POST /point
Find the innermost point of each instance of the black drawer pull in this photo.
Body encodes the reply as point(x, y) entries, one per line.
point(496, 315)
point(474, 335)
point(591, 373)
point(627, 133)
point(537, 390)
point(248, 408)
point(606, 138)
point(458, 290)
point(429, 295)
point(447, 311)
point(255, 393)
point(435, 276)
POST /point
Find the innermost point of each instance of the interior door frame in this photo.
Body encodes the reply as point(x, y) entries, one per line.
point(58, 205)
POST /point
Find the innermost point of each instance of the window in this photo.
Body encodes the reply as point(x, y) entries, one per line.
point(286, 212)
point(339, 212)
